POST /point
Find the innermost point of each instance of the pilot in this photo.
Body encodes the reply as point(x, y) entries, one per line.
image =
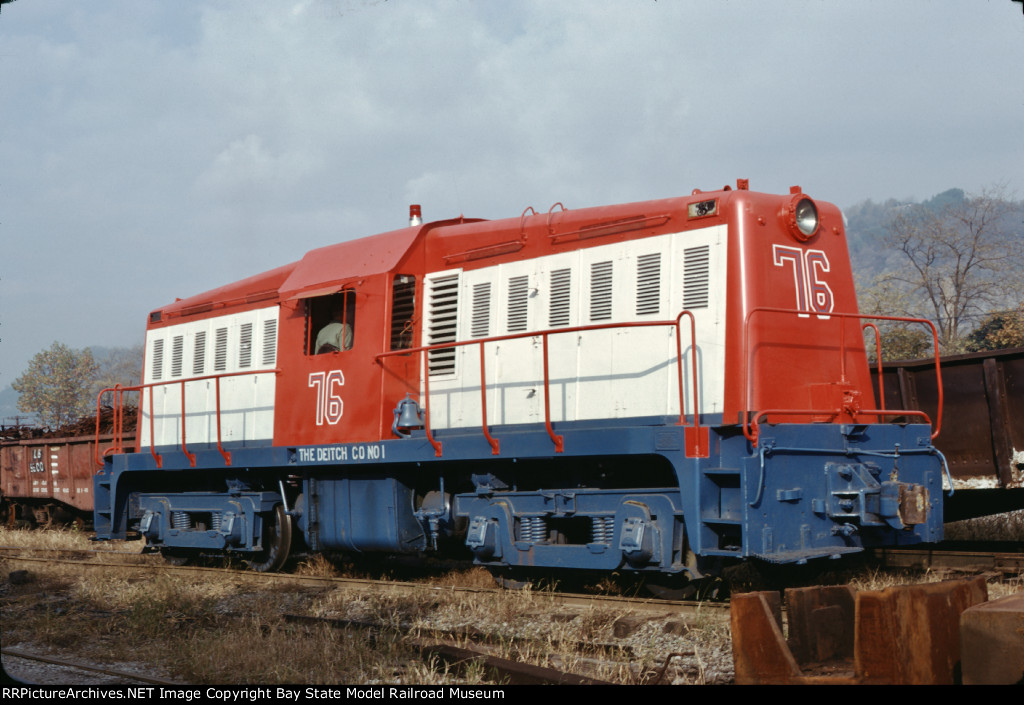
point(336, 335)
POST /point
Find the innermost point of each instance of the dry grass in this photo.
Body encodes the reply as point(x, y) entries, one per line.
point(317, 566)
point(200, 628)
point(880, 579)
point(203, 628)
point(191, 628)
point(67, 538)
point(476, 577)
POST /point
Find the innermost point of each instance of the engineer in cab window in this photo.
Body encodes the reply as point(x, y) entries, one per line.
point(337, 335)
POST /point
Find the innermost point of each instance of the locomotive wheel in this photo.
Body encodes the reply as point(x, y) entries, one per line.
point(277, 542)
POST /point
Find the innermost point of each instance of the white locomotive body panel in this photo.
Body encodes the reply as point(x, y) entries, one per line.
point(594, 374)
point(199, 350)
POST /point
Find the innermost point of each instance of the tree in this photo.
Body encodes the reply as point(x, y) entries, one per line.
point(999, 330)
point(119, 366)
point(900, 341)
point(958, 255)
point(56, 385)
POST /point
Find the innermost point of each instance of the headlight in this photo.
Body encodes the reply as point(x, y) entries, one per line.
point(801, 217)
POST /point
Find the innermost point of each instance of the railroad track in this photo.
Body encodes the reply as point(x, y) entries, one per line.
point(40, 669)
point(1004, 558)
point(622, 605)
point(1007, 563)
point(518, 659)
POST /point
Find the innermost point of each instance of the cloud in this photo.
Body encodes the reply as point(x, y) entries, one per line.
point(154, 149)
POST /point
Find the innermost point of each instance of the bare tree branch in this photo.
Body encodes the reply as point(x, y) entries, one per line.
point(957, 261)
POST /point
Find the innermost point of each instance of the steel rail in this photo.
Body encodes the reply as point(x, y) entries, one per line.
point(1008, 563)
point(68, 663)
point(610, 602)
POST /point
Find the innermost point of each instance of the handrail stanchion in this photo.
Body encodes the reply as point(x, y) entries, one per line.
point(878, 363)
point(483, 404)
point(426, 404)
point(117, 423)
point(96, 448)
point(938, 379)
point(558, 440)
point(191, 456)
point(698, 445)
point(152, 438)
point(225, 454)
point(118, 420)
point(679, 369)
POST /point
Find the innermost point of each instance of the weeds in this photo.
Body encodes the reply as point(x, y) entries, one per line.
point(317, 566)
point(208, 628)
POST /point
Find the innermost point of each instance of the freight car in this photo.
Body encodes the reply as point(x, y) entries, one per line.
point(46, 477)
point(984, 392)
point(661, 386)
point(47, 481)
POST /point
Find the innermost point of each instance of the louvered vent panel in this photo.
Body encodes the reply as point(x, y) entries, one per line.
point(600, 291)
point(199, 354)
point(518, 297)
point(245, 346)
point(696, 264)
point(444, 318)
point(157, 371)
point(269, 358)
point(177, 352)
point(561, 285)
point(220, 350)
point(480, 326)
point(648, 284)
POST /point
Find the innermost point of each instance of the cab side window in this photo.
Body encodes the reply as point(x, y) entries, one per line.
point(403, 307)
point(330, 323)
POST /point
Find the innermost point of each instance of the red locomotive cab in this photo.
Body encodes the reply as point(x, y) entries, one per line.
point(342, 307)
point(792, 349)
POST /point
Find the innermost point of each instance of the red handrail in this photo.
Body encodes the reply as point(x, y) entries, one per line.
point(878, 362)
point(118, 437)
point(426, 409)
point(495, 447)
point(750, 425)
point(557, 440)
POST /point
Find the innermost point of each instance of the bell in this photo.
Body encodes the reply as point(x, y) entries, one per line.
point(408, 415)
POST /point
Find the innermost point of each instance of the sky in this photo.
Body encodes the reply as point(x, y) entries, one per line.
point(152, 149)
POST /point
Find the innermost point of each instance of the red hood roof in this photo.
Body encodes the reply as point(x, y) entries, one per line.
point(324, 270)
point(257, 287)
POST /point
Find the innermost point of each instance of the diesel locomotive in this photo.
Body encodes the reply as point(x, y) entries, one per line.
point(663, 386)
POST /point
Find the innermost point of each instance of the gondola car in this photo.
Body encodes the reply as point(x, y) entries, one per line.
point(661, 386)
point(47, 482)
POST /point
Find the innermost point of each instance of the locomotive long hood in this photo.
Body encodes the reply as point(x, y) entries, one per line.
point(257, 287)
